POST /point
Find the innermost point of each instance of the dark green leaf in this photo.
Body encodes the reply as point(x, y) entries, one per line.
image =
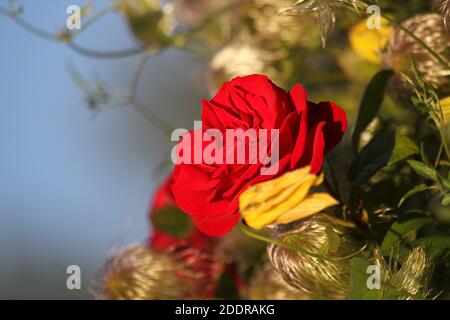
point(423, 154)
point(372, 158)
point(417, 189)
point(385, 149)
point(371, 103)
point(400, 229)
point(423, 170)
point(404, 148)
point(172, 221)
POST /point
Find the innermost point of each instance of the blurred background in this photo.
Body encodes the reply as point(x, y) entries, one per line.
point(72, 186)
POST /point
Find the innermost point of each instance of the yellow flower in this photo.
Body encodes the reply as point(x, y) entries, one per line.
point(284, 199)
point(368, 43)
point(445, 106)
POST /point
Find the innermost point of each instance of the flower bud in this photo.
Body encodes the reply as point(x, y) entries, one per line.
point(149, 22)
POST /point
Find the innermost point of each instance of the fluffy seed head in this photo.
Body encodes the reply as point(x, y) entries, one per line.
point(320, 278)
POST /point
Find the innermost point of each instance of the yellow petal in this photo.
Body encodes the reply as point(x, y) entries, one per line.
point(312, 204)
point(265, 190)
point(298, 189)
point(259, 216)
point(264, 203)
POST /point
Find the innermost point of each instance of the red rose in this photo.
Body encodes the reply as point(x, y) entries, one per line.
point(161, 241)
point(307, 131)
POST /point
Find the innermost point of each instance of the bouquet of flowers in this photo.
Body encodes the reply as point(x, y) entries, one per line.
point(320, 168)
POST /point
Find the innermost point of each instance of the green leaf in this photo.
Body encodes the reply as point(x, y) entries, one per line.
point(374, 156)
point(404, 148)
point(423, 154)
point(417, 189)
point(172, 221)
point(445, 182)
point(438, 247)
point(446, 200)
point(400, 230)
point(358, 280)
point(226, 288)
point(324, 248)
point(385, 149)
point(371, 103)
point(334, 240)
point(423, 170)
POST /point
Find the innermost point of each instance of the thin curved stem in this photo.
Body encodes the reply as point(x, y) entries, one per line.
point(154, 119)
point(151, 117)
point(70, 44)
point(29, 27)
point(137, 74)
point(93, 19)
point(124, 53)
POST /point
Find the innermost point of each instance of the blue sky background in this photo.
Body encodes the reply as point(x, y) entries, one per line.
point(70, 185)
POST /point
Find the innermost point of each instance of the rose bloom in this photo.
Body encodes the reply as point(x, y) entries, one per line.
point(307, 131)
